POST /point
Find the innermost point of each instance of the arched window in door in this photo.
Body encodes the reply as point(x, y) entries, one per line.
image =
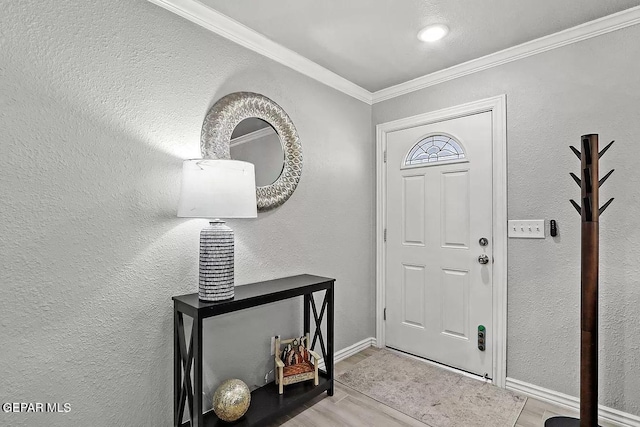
point(434, 149)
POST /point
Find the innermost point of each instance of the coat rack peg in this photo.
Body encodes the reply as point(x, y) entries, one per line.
point(604, 150)
point(604, 178)
point(586, 203)
point(587, 180)
point(576, 152)
point(605, 206)
point(576, 179)
point(577, 206)
point(586, 150)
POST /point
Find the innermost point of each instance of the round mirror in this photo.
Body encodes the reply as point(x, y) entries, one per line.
point(256, 141)
point(224, 122)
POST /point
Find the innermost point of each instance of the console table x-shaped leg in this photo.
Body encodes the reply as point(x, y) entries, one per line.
point(327, 353)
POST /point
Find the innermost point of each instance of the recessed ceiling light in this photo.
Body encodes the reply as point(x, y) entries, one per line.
point(433, 33)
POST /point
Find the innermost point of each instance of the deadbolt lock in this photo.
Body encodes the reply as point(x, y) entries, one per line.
point(483, 241)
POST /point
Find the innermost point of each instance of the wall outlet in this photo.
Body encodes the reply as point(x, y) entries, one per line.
point(526, 229)
point(273, 346)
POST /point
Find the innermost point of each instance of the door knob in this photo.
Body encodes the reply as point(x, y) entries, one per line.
point(483, 259)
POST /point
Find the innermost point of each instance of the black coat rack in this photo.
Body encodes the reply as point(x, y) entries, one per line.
point(590, 212)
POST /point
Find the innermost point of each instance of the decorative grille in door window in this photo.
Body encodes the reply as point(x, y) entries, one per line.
point(434, 149)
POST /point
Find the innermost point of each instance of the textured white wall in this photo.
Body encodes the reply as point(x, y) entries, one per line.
point(552, 99)
point(99, 104)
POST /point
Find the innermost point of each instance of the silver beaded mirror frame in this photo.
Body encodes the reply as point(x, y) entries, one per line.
point(223, 118)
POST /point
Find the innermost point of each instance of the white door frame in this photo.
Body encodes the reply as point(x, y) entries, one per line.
point(497, 106)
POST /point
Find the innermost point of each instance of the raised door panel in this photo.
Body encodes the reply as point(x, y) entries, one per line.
point(455, 303)
point(454, 195)
point(413, 281)
point(413, 210)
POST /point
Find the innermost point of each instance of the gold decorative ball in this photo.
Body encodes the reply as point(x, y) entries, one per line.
point(231, 400)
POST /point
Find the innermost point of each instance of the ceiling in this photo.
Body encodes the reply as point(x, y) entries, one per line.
point(373, 42)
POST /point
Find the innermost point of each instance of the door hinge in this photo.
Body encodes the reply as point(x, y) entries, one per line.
point(385, 234)
point(384, 314)
point(385, 156)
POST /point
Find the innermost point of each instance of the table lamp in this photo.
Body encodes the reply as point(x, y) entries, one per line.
point(217, 189)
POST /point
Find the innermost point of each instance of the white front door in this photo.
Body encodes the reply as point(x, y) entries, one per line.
point(439, 210)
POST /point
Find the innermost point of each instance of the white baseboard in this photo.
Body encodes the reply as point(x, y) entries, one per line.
point(607, 414)
point(350, 351)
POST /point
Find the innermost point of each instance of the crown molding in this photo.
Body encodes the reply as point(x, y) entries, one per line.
point(260, 133)
point(604, 25)
point(230, 29)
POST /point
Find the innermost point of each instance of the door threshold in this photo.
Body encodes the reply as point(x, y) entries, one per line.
point(442, 366)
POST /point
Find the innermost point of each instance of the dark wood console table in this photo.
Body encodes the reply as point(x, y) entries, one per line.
point(266, 404)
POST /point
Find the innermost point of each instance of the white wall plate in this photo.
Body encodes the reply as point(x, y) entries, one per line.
point(526, 229)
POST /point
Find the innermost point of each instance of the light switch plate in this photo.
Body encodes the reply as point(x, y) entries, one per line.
point(526, 229)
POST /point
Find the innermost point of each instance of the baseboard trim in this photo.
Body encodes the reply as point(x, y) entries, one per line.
point(611, 415)
point(351, 350)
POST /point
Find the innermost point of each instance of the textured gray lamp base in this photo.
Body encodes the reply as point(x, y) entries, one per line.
point(216, 262)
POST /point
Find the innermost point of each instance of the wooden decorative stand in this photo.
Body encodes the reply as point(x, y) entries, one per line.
point(590, 213)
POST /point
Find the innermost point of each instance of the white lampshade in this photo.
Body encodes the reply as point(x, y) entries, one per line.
point(218, 189)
